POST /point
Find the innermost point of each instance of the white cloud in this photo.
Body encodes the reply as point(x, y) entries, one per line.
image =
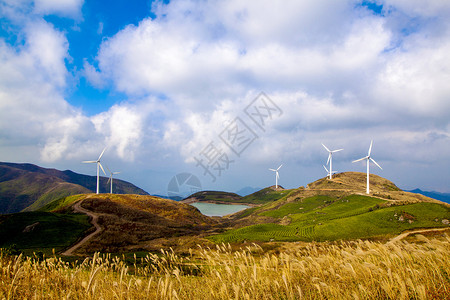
point(122, 127)
point(341, 74)
point(66, 8)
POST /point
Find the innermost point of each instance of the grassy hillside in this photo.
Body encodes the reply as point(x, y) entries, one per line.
point(27, 187)
point(265, 195)
point(136, 221)
point(20, 189)
point(334, 209)
point(45, 230)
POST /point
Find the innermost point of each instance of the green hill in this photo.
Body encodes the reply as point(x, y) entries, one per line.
point(336, 209)
point(27, 187)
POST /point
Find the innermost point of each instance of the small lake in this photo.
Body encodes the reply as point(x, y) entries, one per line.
point(218, 210)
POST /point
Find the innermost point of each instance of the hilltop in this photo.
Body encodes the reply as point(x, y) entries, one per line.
point(27, 187)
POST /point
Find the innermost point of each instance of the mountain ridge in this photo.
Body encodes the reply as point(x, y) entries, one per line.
point(27, 187)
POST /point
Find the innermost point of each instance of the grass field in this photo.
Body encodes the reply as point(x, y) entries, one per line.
point(321, 218)
point(340, 270)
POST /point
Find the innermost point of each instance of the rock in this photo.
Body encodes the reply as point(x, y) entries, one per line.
point(445, 221)
point(31, 227)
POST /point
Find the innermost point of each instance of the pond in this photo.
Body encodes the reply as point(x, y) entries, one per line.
point(218, 210)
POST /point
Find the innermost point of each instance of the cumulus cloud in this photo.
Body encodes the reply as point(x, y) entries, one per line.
point(341, 73)
point(66, 8)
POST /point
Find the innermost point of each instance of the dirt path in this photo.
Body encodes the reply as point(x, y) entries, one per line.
point(94, 218)
point(405, 234)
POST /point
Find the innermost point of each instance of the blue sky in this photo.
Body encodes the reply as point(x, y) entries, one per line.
point(164, 84)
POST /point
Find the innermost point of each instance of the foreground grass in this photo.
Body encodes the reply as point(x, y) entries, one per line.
point(344, 270)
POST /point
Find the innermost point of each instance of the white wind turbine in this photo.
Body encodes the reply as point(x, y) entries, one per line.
point(276, 176)
point(99, 165)
point(328, 172)
point(368, 159)
point(111, 174)
point(330, 160)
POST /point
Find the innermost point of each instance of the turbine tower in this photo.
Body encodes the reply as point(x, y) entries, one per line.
point(328, 172)
point(99, 165)
point(276, 176)
point(368, 159)
point(330, 160)
point(111, 178)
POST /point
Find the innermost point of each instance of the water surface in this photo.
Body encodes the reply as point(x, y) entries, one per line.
point(218, 210)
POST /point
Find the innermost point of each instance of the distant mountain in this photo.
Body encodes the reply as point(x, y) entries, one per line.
point(444, 197)
point(247, 191)
point(213, 196)
point(27, 187)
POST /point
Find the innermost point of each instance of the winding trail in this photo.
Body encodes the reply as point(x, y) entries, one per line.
point(94, 221)
point(405, 234)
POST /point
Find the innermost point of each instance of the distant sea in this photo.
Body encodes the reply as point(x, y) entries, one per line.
point(218, 210)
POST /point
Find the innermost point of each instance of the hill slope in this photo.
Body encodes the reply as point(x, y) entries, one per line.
point(28, 187)
point(337, 209)
point(135, 221)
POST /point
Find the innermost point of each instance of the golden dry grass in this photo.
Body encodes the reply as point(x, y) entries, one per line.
point(347, 270)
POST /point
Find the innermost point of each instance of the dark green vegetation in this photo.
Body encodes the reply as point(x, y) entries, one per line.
point(41, 231)
point(27, 187)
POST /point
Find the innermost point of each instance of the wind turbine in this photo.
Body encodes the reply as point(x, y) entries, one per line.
point(111, 177)
point(276, 175)
point(330, 160)
point(99, 165)
point(368, 159)
point(328, 172)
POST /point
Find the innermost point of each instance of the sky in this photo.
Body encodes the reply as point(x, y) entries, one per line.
point(224, 90)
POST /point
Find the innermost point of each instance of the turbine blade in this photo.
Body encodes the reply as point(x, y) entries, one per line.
point(114, 173)
point(272, 170)
point(337, 150)
point(279, 167)
point(326, 147)
point(370, 148)
point(101, 167)
point(89, 161)
point(278, 175)
point(325, 169)
point(106, 166)
point(376, 163)
point(101, 154)
point(329, 157)
point(360, 159)
point(109, 179)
